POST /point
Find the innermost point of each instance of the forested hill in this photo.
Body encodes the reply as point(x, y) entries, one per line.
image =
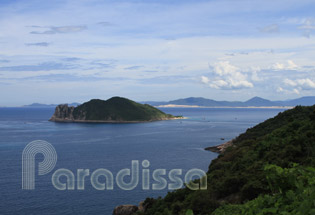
point(115, 109)
point(268, 170)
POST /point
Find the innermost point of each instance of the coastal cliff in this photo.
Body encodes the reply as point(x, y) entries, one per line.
point(63, 112)
point(114, 110)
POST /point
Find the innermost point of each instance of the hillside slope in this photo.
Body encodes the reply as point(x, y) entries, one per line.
point(270, 150)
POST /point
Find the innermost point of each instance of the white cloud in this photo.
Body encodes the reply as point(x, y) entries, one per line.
point(296, 91)
point(205, 80)
point(270, 28)
point(278, 66)
point(287, 91)
point(289, 65)
point(59, 29)
point(280, 90)
point(226, 76)
point(301, 83)
point(289, 82)
point(255, 76)
point(306, 83)
point(307, 27)
point(218, 84)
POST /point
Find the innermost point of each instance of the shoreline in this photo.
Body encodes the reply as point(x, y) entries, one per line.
point(109, 121)
point(220, 148)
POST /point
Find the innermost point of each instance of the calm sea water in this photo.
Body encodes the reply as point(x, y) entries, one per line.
point(166, 144)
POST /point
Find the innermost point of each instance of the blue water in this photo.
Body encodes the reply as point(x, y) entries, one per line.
point(166, 144)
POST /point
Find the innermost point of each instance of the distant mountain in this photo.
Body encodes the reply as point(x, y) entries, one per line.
point(195, 101)
point(306, 101)
point(39, 105)
point(253, 102)
point(257, 101)
point(199, 101)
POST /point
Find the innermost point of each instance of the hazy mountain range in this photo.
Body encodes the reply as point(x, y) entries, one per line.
point(253, 102)
point(39, 105)
point(203, 102)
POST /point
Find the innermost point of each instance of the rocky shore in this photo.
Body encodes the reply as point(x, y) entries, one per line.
point(220, 148)
point(129, 209)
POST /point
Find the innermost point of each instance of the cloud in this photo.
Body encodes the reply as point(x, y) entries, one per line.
point(255, 76)
point(48, 66)
point(101, 65)
point(104, 24)
point(165, 80)
point(57, 77)
point(43, 44)
point(134, 67)
point(71, 59)
point(205, 80)
point(286, 91)
point(289, 82)
point(61, 29)
point(226, 76)
point(150, 71)
point(304, 84)
point(280, 90)
point(65, 78)
point(296, 86)
point(296, 91)
point(289, 65)
point(307, 27)
point(4, 61)
point(274, 28)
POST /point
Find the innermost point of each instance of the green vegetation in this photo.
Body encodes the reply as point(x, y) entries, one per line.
point(292, 192)
point(118, 109)
point(268, 170)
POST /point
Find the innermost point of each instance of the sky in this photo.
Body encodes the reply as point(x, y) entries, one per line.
point(155, 50)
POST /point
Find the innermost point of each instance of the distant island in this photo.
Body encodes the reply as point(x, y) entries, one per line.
point(253, 102)
point(113, 110)
point(39, 105)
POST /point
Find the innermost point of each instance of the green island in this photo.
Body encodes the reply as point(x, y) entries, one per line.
point(269, 169)
point(113, 110)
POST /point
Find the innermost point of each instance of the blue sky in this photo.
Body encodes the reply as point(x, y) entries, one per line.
point(73, 51)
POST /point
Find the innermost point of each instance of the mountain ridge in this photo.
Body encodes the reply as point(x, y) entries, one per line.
point(253, 102)
point(205, 102)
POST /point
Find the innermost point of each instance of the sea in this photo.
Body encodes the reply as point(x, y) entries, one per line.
point(173, 144)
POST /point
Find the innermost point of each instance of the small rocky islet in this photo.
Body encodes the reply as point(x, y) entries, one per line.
point(113, 110)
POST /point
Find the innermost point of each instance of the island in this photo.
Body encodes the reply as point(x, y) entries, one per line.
point(113, 110)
